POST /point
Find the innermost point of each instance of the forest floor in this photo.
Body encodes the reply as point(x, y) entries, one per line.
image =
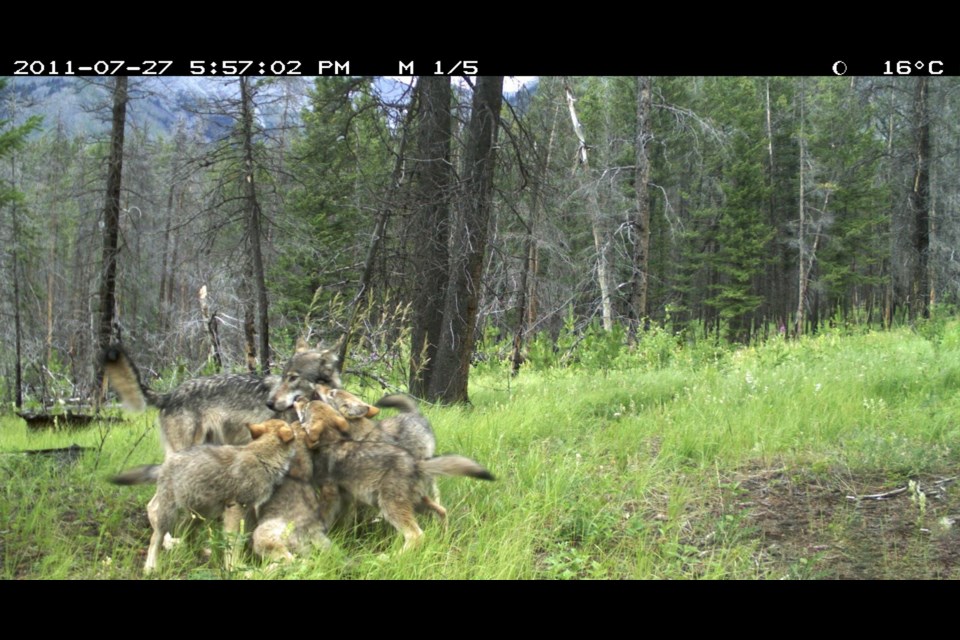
point(848, 527)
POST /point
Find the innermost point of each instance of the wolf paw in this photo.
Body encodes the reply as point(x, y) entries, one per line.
point(169, 542)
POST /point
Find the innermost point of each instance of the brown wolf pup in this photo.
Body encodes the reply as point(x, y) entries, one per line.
point(376, 473)
point(206, 479)
point(410, 429)
point(216, 409)
point(292, 519)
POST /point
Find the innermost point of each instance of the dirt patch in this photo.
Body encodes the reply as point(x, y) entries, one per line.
point(848, 527)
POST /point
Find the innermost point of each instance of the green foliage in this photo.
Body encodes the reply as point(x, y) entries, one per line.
point(593, 348)
point(13, 138)
point(742, 233)
point(342, 160)
point(846, 199)
point(493, 353)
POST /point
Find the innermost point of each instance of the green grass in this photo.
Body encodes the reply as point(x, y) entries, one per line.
point(695, 464)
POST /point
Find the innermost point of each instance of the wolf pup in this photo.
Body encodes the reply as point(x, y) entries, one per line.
point(376, 473)
point(217, 409)
point(206, 479)
point(410, 429)
point(292, 520)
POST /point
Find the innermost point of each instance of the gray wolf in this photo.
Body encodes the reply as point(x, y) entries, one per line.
point(217, 409)
point(377, 473)
point(292, 520)
point(206, 479)
point(305, 369)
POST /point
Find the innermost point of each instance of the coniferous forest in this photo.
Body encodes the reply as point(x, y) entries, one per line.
point(437, 224)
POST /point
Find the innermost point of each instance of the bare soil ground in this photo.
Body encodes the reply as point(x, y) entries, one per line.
point(843, 526)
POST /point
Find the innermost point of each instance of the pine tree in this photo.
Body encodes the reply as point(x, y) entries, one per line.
point(12, 138)
point(741, 233)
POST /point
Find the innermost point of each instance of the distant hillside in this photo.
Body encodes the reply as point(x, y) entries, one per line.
point(158, 104)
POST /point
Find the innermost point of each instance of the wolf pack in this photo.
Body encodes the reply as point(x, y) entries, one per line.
point(283, 456)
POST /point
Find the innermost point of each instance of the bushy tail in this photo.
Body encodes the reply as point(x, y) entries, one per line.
point(144, 474)
point(125, 380)
point(454, 466)
point(399, 401)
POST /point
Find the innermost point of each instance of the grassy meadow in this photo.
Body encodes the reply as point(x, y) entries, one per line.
point(829, 457)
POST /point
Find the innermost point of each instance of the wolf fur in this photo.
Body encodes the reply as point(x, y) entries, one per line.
point(292, 520)
point(409, 430)
point(217, 409)
point(379, 474)
point(206, 479)
point(144, 474)
point(305, 369)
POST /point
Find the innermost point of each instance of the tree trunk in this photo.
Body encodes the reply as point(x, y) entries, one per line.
point(451, 371)
point(602, 245)
point(18, 330)
point(376, 241)
point(212, 323)
point(801, 267)
point(51, 269)
point(254, 232)
point(165, 279)
point(777, 297)
point(919, 200)
point(249, 319)
point(108, 332)
point(600, 241)
point(433, 176)
point(527, 312)
point(640, 222)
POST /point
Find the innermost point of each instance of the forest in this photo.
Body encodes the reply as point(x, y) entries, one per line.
point(439, 224)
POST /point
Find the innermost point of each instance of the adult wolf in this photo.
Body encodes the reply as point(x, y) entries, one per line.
point(217, 409)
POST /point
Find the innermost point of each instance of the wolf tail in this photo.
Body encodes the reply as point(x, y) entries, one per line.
point(144, 474)
point(125, 380)
point(399, 401)
point(453, 465)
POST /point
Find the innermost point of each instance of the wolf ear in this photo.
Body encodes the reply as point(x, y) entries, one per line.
point(355, 408)
point(257, 430)
point(313, 439)
point(311, 434)
point(302, 345)
point(359, 410)
point(333, 352)
point(341, 424)
point(285, 433)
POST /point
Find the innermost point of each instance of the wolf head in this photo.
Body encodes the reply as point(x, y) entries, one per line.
point(349, 405)
point(317, 416)
point(306, 368)
point(281, 429)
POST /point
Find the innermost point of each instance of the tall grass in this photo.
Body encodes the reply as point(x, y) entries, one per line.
point(620, 471)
